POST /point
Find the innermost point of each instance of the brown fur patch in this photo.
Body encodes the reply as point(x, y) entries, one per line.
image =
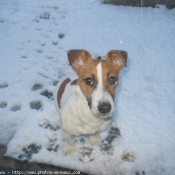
point(75, 82)
point(88, 70)
point(118, 58)
point(61, 90)
point(108, 70)
point(77, 58)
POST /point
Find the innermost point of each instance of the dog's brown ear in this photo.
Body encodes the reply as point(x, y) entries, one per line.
point(118, 58)
point(77, 58)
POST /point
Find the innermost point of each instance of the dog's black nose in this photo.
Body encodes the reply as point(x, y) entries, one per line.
point(104, 107)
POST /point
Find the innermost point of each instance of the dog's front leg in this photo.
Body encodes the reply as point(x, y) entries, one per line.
point(68, 147)
point(95, 140)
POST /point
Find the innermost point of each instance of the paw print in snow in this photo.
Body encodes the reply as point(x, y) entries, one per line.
point(85, 154)
point(3, 85)
point(37, 86)
point(15, 107)
point(113, 133)
point(48, 125)
point(3, 104)
point(61, 35)
point(52, 145)
point(29, 151)
point(35, 105)
point(38, 49)
point(47, 94)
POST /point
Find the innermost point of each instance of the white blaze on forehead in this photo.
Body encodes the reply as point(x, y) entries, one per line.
point(99, 76)
point(100, 94)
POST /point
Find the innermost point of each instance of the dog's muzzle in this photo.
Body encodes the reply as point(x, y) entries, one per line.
point(104, 110)
point(104, 107)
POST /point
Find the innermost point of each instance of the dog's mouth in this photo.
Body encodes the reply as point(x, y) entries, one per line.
point(105, 118)
point(101, 116)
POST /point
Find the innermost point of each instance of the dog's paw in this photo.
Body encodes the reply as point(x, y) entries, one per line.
point(129, 156)
point(68, 149)
point(95, 140)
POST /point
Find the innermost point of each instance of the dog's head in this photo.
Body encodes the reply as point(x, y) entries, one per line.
point(98, 79)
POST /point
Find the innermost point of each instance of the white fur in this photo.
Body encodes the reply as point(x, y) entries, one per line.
point(76, 116)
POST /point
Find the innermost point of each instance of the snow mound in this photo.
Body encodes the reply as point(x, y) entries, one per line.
point(35, 37)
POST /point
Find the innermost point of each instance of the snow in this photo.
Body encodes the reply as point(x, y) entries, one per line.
point(35, 38)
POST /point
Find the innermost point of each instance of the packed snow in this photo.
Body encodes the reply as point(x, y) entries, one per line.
point(35, 37)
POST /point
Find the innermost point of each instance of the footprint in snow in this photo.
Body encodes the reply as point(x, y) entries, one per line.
point(43, 43)
point(3, 104)
point(55, 82)
point(3, 20)
point(45, 15)
point(15, 107)
point(23, 54)
point(29, 151)
point(40, 41)
point(113, 133)
point(54, 42)
point(85, 154)
point(140, 173)
point(47, 125)
point(47, 94)
point(36, 105)
point(38, 49)
point(84, 149)
point(61, 35)
point(3, 85)
point(52, 146)
point(37, 86)
point(36, 20)
point(50, 55)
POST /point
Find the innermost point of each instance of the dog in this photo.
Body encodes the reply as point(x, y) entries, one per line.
point(85, 102)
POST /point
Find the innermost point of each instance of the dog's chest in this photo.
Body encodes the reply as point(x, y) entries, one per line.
point(76, 116)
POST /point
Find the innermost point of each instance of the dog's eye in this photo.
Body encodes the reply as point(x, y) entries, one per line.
point(112, 80)
point(89, 81)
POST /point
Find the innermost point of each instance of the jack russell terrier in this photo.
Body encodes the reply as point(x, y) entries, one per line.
point(86, 102)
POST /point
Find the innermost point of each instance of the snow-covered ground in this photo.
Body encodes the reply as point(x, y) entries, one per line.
point(34, 39)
